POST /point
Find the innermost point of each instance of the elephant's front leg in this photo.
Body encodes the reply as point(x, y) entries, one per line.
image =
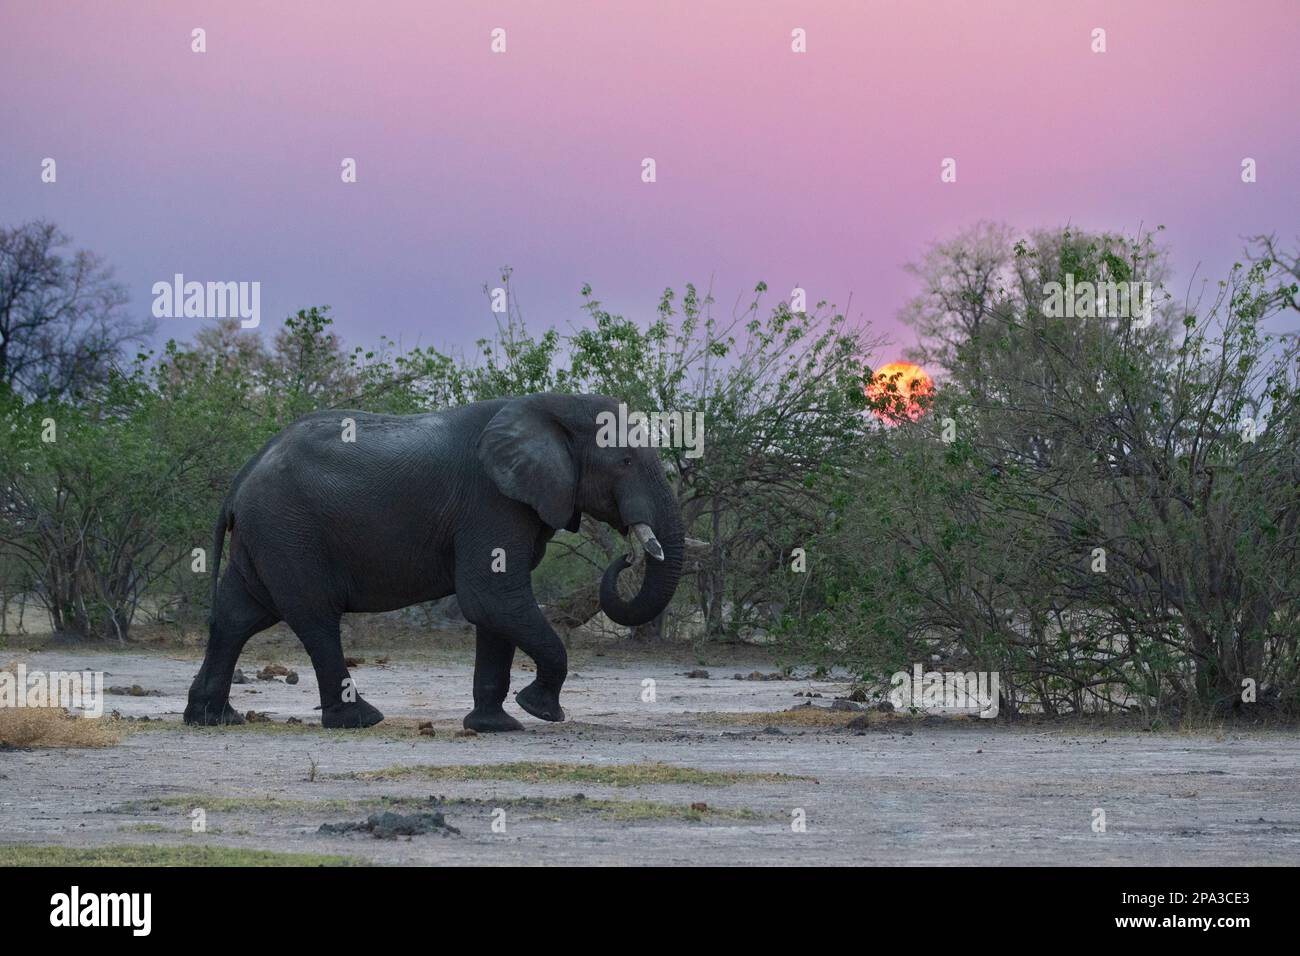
point(492, 659)
point(529, 631)
point(498, 598)
point(533, 634)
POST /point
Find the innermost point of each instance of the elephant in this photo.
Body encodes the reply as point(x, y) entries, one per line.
point(462, 500)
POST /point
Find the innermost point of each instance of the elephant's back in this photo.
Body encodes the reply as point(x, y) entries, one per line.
point(360, 477)
point(336, 453)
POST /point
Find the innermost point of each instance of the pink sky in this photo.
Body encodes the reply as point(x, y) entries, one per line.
point(819, 169)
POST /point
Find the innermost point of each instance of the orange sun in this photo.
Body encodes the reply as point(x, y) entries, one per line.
point(910, 384)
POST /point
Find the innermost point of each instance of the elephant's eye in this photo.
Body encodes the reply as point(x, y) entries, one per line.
point(627, 460)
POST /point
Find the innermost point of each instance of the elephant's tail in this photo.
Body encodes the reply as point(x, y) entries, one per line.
point(226, 520)
point(218, 543)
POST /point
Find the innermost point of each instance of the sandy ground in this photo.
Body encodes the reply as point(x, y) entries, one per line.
point(905, 792)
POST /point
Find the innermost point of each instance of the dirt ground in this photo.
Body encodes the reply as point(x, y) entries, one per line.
point(896, 792)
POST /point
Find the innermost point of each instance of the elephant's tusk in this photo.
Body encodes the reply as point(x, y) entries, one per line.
point(649, 543)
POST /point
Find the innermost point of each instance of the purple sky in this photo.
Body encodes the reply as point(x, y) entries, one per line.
point(818, 169)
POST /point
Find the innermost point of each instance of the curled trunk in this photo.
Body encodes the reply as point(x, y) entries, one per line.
point(661, 576)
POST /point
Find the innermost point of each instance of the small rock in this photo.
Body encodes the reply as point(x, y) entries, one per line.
point(272, 671)
point(291, 677)
point(697, 673)
point(773, 731)
point(426, 732)
point(858, 695)
point(257, 717)
point(466, 732)
point(700, 807)
point(239, 677)
point(354, 661)
point(293, 720)
point(839, 704)
point(425, 723)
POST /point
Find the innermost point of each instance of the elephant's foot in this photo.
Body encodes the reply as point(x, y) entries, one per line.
point(358, 713)
point(490, 720)
point(541, 702)
point(205, 714)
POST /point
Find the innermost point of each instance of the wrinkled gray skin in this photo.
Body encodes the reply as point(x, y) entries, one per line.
point(413, 510)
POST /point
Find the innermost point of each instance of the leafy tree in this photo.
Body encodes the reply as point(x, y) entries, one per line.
point(104, 499)
point(1111, 520)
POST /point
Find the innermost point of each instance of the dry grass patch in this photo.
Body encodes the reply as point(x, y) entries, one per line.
point(216, 804)
point(608, 775)
point(147, 854)
point(50, 726)
point(545, 808)
point(53, 727)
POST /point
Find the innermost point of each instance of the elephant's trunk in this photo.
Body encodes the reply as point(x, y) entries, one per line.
point(663, 540)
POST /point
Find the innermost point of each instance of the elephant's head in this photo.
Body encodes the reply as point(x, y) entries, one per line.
point(542, 450)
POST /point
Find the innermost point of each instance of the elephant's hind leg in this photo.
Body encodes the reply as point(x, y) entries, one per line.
point(340, 703)
point(492, 659)
point(236, 616)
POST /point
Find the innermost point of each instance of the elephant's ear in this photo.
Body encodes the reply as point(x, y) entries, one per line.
point(529, 456)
